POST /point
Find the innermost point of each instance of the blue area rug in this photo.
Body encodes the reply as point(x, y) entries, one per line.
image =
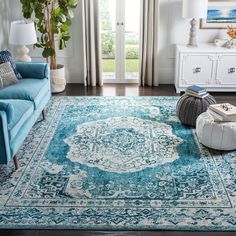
point(123, 163)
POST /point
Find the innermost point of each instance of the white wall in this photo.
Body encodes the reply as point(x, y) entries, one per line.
point(173, 30)
point(4, 24)
point(72, 57)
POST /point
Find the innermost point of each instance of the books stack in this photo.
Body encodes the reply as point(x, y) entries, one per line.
point(197, 91)
point(224, 112)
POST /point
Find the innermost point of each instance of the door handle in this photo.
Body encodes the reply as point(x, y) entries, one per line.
point(231, 70)
point(197, 70)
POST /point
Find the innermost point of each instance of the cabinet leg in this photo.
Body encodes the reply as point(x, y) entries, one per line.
point(16, 162)
point(44, 114)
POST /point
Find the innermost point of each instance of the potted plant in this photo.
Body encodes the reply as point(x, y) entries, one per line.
point(52, 19)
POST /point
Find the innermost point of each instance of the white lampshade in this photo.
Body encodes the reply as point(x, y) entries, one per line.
point(22, 33)
point(195, 9)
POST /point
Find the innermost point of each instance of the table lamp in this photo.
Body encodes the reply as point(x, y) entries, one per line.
point(22, 33)
point(194, 9)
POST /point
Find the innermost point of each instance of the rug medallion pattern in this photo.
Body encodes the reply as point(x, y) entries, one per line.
point(117, 163)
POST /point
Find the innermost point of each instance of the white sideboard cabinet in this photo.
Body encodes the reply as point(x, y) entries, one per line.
point(207, 65)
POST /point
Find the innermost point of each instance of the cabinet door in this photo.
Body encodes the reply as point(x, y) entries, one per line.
point(226, 71)
point(197, 69)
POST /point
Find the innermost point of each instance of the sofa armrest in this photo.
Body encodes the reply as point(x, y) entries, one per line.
point(5, 152)
point(8, 110)
point(37, 70)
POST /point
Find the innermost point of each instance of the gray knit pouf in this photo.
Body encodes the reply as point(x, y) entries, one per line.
point(189, 108)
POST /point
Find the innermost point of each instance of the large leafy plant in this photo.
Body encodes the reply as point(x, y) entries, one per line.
point(52, 19)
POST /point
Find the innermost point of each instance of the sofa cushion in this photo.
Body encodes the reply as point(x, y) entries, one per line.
point(23, 110)
point(27, 89)
point(37, 70)
point(6, 56)
point(8, 109)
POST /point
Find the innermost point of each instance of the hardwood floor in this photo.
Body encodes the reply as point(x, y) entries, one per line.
point(134, 90)
point(118, 90)
point(122, 90)
point(111, 233)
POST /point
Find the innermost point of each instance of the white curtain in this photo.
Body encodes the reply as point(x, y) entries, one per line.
point(149, 73)
point(92, 46)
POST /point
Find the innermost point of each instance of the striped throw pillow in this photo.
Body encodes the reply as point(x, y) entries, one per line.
point(7, 75)
point(6, 56)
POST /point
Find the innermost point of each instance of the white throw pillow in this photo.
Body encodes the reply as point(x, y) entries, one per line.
point(7, 75)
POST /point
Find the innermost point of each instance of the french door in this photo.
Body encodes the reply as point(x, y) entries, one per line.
point(120, 30)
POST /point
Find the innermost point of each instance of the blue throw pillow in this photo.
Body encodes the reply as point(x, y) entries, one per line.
point(6, 56)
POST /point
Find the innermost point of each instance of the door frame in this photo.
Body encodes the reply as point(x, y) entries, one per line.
point(120, 60)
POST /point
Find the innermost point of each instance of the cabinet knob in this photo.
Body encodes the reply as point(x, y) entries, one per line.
point(231, 70)
point(197, 70)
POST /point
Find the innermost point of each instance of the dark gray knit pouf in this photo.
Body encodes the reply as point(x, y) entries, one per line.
point(189, 108)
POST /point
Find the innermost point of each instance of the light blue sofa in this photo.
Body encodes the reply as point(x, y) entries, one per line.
point(20, 107)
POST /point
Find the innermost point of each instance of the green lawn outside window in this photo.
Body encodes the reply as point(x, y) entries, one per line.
point(132, 65)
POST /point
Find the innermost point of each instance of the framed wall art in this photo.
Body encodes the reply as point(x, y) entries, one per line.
point(221, 14)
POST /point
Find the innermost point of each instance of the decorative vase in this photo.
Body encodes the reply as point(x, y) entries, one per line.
point(231, 43)
point(58, 81)
point(232, 34)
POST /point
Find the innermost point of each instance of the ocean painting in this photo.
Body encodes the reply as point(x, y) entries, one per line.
point(221, 15)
